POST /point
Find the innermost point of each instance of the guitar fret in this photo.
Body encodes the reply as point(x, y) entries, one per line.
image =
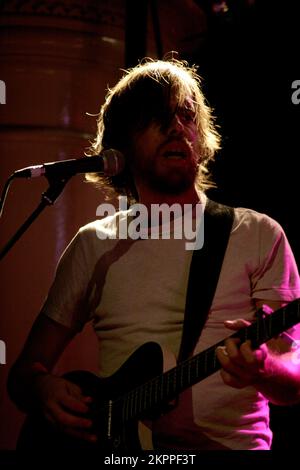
point(162, 388)
point(147, 396)
point(135, 400)
point(125, 410)
point(215, 359)
point(197, 366)
point(181, 375)
point(205, 362)
point(174, 373)
point(140, 402)
point(131, 402)
point(155, 393)
point(167, 385)
point(143, 400)
point(150, 394)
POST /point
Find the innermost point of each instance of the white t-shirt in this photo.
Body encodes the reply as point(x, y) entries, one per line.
point(134, 292)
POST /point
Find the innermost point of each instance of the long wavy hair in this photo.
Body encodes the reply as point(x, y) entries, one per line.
point(142, 96)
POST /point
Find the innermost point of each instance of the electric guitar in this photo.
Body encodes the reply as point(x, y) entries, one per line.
point(140, 390)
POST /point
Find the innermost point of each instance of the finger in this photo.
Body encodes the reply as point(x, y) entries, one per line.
point(73, 404)
point(233, 350)
point(225, 360)
point(74, 432)
point(48, 415)
point(65, 419)
point(253, 357)
point(231, 380)
point(76, 392)
point(86, 436)
point(236, 324)
point(231, 367)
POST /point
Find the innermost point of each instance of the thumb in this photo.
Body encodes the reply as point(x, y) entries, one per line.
point(76, 392)
point(236, 324)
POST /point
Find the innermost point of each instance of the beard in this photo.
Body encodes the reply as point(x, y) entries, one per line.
point(173, 180)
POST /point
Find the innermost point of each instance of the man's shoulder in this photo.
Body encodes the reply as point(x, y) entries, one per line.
point(249, 222)
point(247, 216)
point(106, 227)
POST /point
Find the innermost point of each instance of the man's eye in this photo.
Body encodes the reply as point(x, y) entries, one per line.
point(188, 115)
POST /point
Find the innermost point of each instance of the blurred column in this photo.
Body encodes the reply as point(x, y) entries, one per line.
point(57, 59)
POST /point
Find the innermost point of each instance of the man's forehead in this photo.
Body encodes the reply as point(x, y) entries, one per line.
point(182, 102)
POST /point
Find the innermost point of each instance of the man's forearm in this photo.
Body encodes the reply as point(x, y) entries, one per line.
point(21, 385)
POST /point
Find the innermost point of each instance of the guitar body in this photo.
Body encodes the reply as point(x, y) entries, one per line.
point(114, 433)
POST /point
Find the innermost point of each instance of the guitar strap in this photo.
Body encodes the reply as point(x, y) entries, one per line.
point(204, 273)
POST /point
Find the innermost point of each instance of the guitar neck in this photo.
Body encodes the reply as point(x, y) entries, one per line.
point(165, 387)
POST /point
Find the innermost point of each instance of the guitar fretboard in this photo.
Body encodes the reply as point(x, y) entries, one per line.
point(165, 387)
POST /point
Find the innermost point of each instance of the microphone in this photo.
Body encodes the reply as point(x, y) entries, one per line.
point(109, 162)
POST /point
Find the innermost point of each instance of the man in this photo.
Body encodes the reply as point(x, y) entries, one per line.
point(134, 290)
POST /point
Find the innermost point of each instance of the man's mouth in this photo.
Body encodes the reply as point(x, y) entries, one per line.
point(175, 150)
point(175, 154)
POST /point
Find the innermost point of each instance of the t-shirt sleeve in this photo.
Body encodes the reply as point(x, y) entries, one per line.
point(276, 277)
point(67, 301)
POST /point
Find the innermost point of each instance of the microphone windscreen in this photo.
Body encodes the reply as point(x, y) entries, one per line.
point(113, 162)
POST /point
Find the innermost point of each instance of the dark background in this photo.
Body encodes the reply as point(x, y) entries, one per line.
point(249, 62)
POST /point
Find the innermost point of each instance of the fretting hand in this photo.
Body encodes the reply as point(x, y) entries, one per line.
point(241, 365)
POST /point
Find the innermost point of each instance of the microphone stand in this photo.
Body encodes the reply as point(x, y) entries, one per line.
point(55, 188)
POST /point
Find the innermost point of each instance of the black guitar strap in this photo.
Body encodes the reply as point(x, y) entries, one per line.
point(204, 273)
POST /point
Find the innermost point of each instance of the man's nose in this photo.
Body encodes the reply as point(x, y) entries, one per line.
point(176, 125)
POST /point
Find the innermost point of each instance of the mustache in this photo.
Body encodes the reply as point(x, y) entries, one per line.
point(183, 141)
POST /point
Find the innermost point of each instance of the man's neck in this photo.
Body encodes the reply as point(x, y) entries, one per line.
point(149, 197)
